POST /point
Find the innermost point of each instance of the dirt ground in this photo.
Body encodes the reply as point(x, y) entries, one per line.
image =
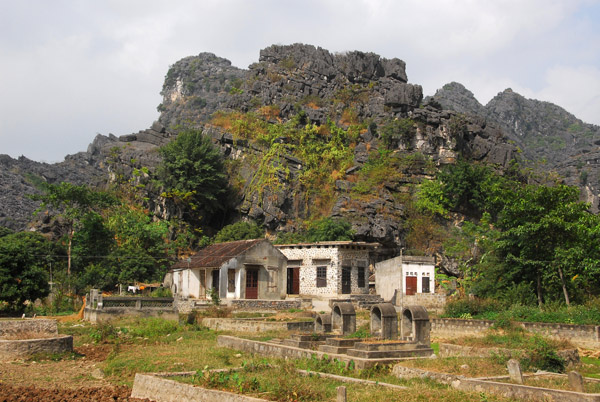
point(65, 380)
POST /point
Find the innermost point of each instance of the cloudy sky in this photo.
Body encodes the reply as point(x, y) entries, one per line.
point(70, 69)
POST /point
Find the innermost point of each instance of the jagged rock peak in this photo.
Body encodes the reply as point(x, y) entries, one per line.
point(357, 66)
point(454, 96)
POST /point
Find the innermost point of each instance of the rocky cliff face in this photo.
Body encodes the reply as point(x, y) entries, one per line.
point(356, 91)
point(545, 133)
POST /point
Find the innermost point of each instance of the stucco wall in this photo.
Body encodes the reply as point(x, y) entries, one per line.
point(391, 274)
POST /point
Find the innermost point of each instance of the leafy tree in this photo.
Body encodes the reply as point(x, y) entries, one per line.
point(462, 187)
point(329, 229)
point(542, 229)
point(398, 131)
point(193, 174)
point(5, 231)
point(241, 230)
point(23, 259)
point(325, 229)
point(73, 203)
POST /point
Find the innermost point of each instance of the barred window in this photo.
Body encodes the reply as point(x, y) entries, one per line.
point(321, 276)
point(361, 277)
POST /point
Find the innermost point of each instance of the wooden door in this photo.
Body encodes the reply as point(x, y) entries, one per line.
point(293, 281)
point(411, 285)
point(346, 280)
point(252, 283)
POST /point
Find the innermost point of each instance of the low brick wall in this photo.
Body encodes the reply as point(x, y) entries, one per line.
point(431, 301)
point(253, 304)
point(40, 326)
point(253, 325)
point(571, 356)
point(18, 349)
point(115, 313)
point(518, 392)
point(586, 336)
point(522, 392)
point(284, 351)
point(159, 389)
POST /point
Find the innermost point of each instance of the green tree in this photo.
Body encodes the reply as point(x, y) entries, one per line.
point(193, 175)
point(23, 259)
point(5, 231)
point(241, 230)
point(73, 203)
point(542, 229)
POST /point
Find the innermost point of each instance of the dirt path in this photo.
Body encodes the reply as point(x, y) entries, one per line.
point(79, 379)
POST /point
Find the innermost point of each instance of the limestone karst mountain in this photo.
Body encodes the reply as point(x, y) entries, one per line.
point(366, 96)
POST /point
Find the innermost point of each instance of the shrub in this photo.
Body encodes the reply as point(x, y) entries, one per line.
point(473, 306)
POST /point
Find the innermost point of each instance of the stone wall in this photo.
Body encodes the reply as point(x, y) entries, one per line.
point(256, 304)
point(253, 325)
point(41, 326)
point(159, 389)
point(571, 356)
point(587, 336)
point(16, 349)
point(99, 308)
point(433, 302)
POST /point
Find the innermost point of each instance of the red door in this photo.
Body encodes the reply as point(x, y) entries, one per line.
point(252, 284)
point(411, 285)
point(293, 281)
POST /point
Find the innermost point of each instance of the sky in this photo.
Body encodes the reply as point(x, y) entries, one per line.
point(70, 69)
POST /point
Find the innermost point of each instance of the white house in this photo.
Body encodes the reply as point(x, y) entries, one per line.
point(246, 269)
point(409, 275)
point(328, 269)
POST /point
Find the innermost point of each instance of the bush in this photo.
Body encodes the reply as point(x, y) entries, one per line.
point(473, 306)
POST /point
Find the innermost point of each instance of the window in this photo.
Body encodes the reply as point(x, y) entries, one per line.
point(231, 280)
point(273, 278)
point(361, 277)
point(321, 276)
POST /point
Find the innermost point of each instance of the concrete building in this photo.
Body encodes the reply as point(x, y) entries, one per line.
point(328, 269)
point(409, 280)
point(246, 269)
point(407, 274)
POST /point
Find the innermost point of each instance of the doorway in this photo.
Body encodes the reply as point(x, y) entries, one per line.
point(252, 283)
point(293, 281)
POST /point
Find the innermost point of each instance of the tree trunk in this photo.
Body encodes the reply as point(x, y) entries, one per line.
point(71, 234)
point(539, 289)
point(564, 285)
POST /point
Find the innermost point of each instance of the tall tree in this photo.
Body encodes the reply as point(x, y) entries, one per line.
point(23, 259)
point(193, 174)
point(73, 203)
point(541, 227)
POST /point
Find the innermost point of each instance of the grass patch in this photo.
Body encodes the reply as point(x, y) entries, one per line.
point(468, 366)
point(282, 383)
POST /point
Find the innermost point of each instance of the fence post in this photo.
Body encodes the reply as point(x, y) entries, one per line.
point(341, 394)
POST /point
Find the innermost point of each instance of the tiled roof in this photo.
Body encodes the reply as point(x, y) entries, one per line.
point(330, 244)
point(215, 255)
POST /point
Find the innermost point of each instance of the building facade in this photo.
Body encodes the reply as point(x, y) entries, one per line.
point(405, 275)
point(246, 269)
point(328, 269)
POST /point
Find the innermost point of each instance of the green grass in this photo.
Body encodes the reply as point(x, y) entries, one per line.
point(153, 345)
point(590, 367)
